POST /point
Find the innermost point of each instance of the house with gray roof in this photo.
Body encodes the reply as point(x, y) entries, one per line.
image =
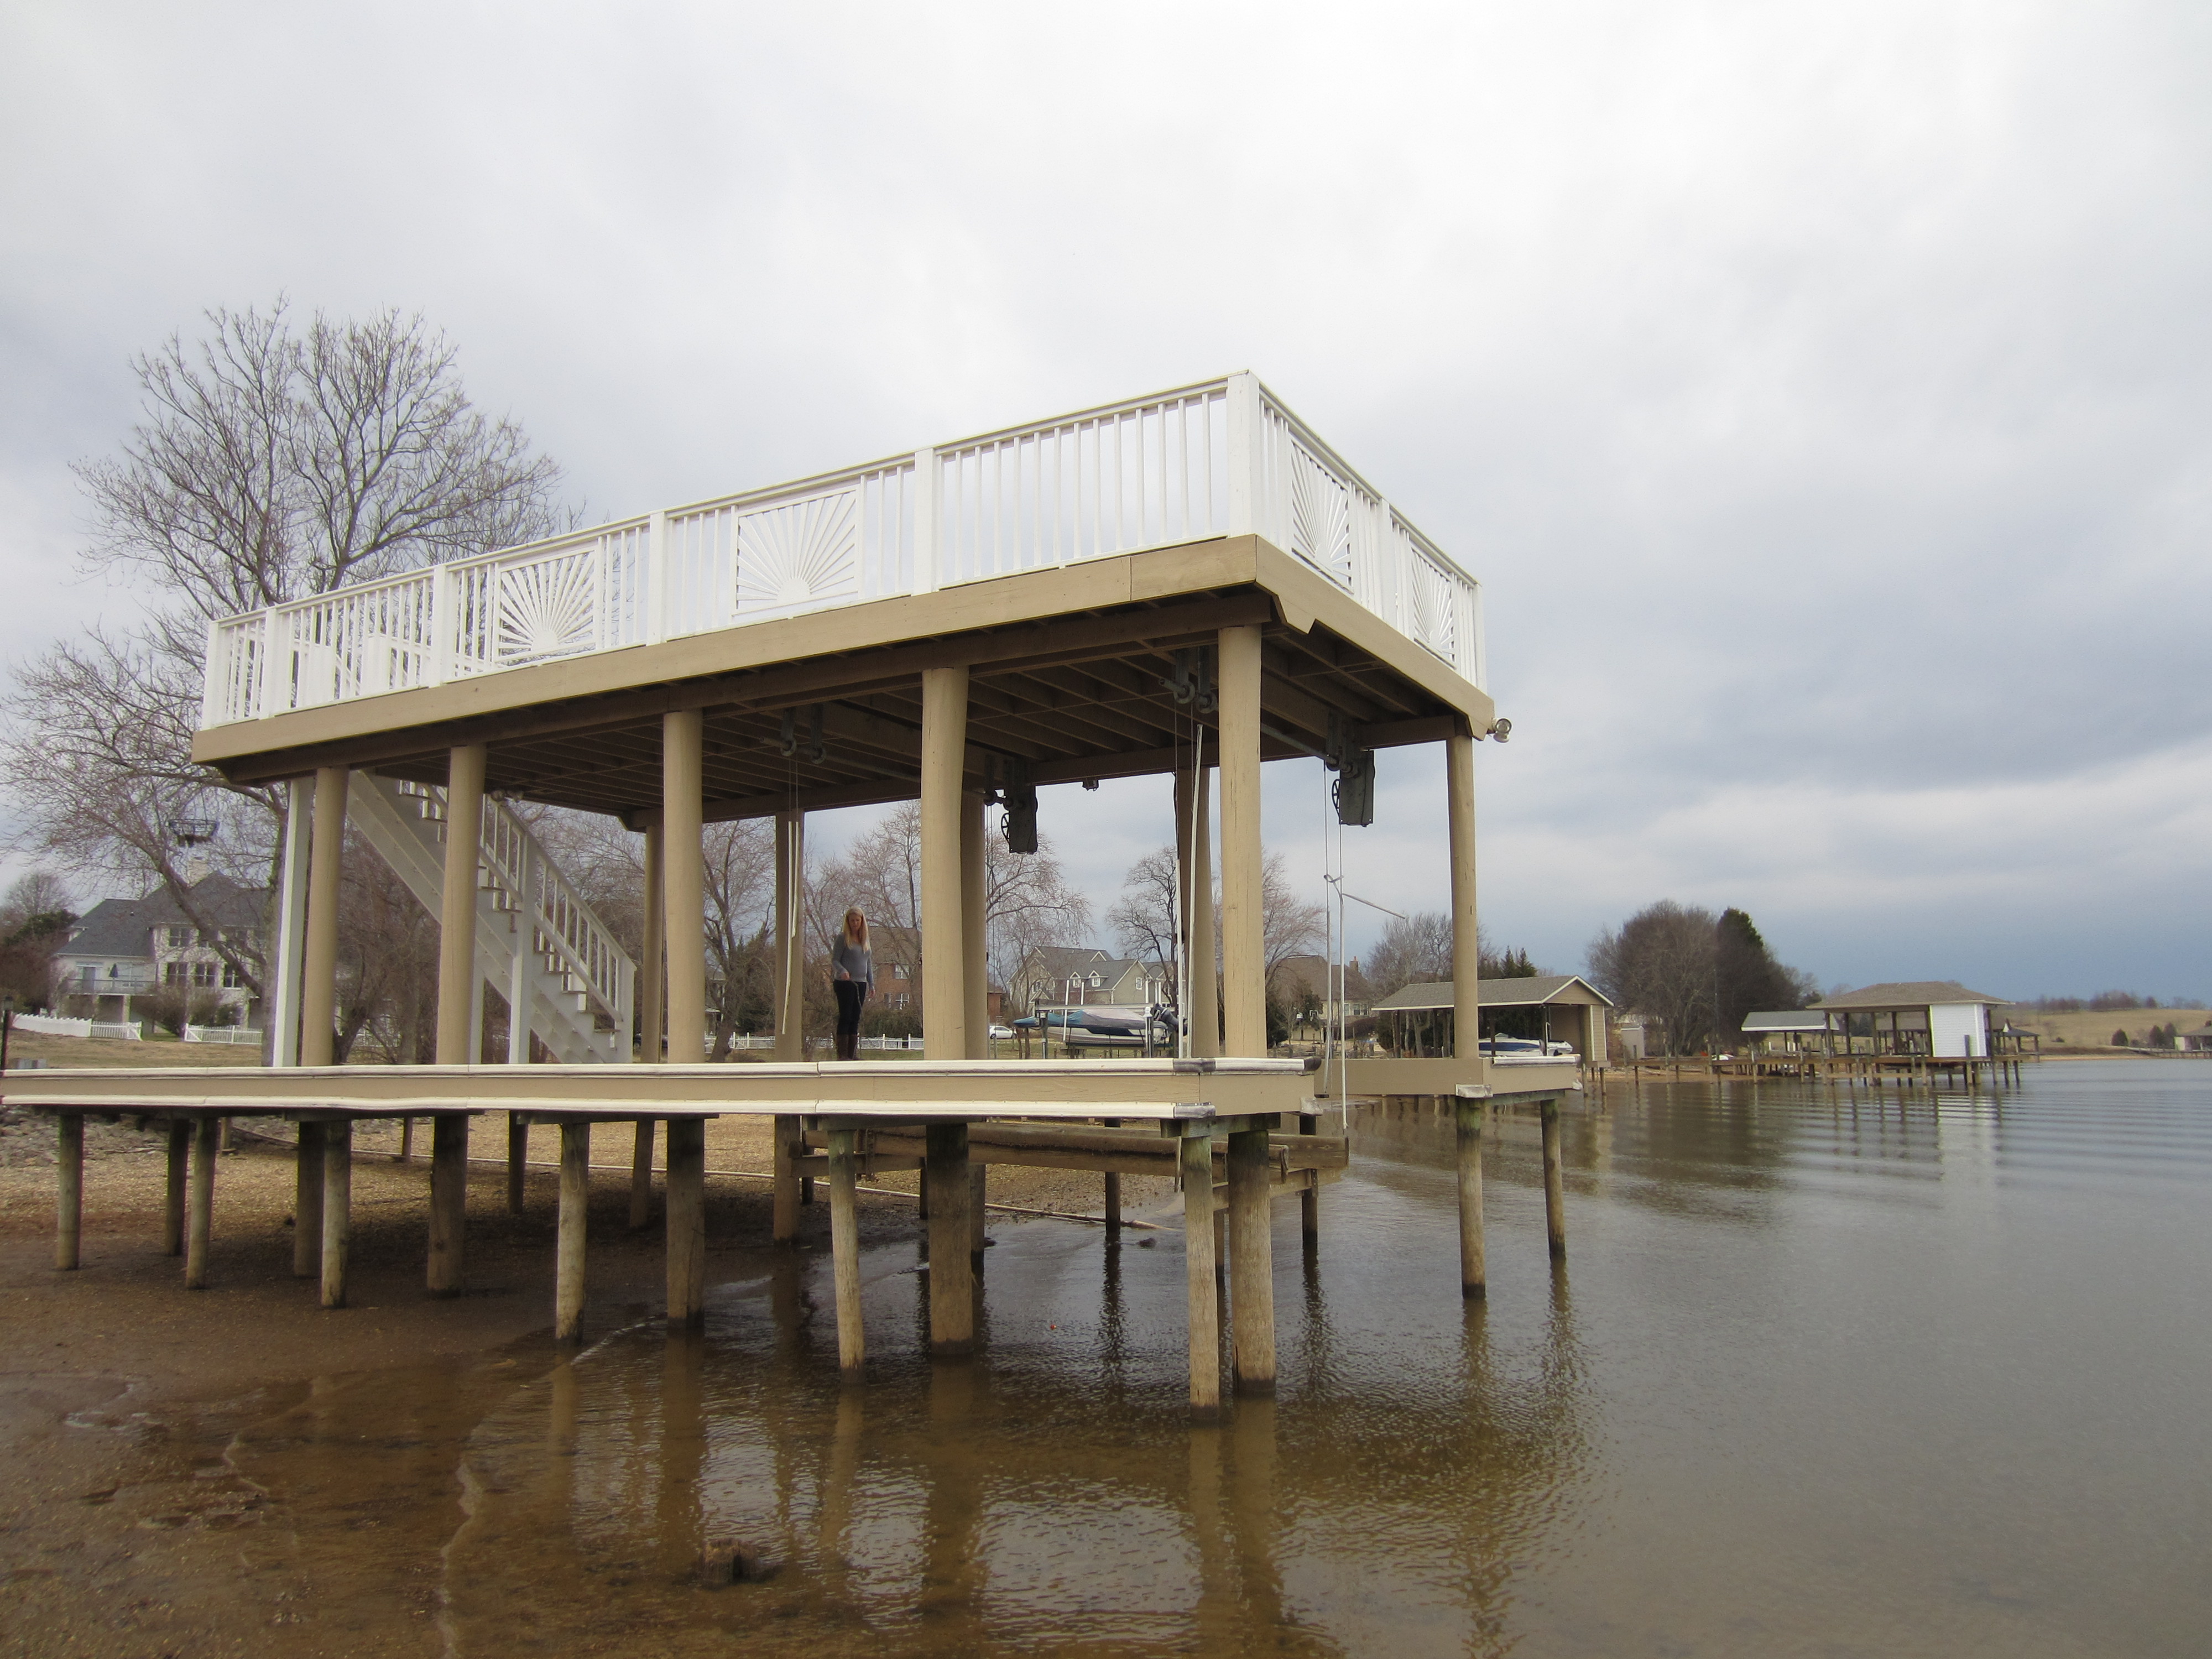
point(1078, 976)
point(1939, 1017)
point(1550, 1008)
point(122, 949)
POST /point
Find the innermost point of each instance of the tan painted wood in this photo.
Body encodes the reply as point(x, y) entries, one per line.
point(569, 1249)
point(172, 1204)
point(651, 965)
point(1243, 970)
point(1194, 811)
point(640, 1175)
point(69, 1190)
point(518, 1159)
point(790, 936)
point(976, 974)
point(457, 910)
point(951, 1274)
point(449, 1203)
point(338, 1210)
point(318, 976)
point(845, 1254)
point(687, 1221)
point(307, 1203)
point(1251, 1264)
point(683, 885)
point(199, 1211)
point(1201, 1289)
point(943, 975)
point(1474, 1268)
point(1459, 787)
point(1299, 589)
point(1555, 1191)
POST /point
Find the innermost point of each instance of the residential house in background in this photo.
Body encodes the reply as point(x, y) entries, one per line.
point(1303, 981)
point(1939, 1017)
point(122, 949)
point(1079, 974)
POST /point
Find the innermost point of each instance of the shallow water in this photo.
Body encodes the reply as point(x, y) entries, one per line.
point(1826, 1373)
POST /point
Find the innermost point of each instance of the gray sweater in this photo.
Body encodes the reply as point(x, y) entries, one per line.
point(852, 962)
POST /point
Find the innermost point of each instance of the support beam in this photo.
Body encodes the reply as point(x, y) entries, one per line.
point(1473, 1270)
point(789, 1143)
point(173, 1204)
point(337, 1209)
point(975, 974)
point(569, 1250)
point(944, 972)
point(521, 969)
point(1194, 809)
point(449, 1201)
point(687, 1221)
point(1555, 1190)
point(1459, 783)
point(1251, 1263)
point(307, 1203)
point(1243, 960)
point(951, 1277)
point(641, 1175)
point(1113, 1193)
point(199, 1215)
point(319, 970)
point(790, 936)
point(683, 884)
point(69, 1189)
point(518, 1158)
point(1202, 1290)
point(845, 1254)
point(651, 971)
point(458, 1043)
point(1309, 1200)
point(285, 966)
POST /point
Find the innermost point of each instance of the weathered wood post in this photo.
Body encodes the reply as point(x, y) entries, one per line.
point(1244, 998)
point(319, 974)
point(1200, 1288)
point(683, 905)
point(575, 1197)
point(69, 1188)
point(199, 1220)
point(518, 1158)
point(1473, 1270)
point(307, 1203)
point(651, 970)
point(338, 1208)
point(640, 1175)
point(975, 998)
point(1194, 862)
point(1309, 1200)
point(944, 1005)
point(173, 1205)
point(1113, 1194)
point(845, 1254)
point(790, 1011)
point(1555, 1193)
point(687, 1220)
point(449, 1201)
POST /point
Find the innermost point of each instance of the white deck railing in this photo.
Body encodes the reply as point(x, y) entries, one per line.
point(1221, 459)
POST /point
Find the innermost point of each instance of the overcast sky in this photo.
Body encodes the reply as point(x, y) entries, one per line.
point(1819, 391)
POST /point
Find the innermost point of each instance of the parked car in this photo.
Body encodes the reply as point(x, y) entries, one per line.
point(1002, 1032)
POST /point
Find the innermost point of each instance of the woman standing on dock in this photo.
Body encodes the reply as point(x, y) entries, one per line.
point(853, 971)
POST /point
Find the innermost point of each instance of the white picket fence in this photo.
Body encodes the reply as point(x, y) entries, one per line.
point(56, 1025)
point(1224, 457)
point(237, 1034)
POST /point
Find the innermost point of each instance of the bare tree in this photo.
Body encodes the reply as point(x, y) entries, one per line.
point(1662, 963)
point(1415, 950)
point(1289, 926)
point(1143, 919)
point(271, 462)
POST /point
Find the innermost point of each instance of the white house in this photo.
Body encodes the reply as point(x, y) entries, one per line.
point(127, 948)
point(1938, 1017)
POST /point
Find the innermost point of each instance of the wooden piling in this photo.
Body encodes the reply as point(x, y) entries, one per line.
point(449, 1202)
point(1474, 1272)
point(337, 1209)
point(406, 1153)
point(172, 1206)
point(1203, 1294)
point(518, 1158)
point(687, 1221)
point(977, 1237)
point(69, 1188)
point(845, 1253)
point(952, 1274)
point(641, 1175)
point(199, 1214)
point(568, 1252)
point(307, 1203)
point(790, 1141)
point(1555, 1192)
point(1251, 1263)
point(1113, 1194)
point(1309, 1200)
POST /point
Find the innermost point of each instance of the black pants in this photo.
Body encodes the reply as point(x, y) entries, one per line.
point(851, 993)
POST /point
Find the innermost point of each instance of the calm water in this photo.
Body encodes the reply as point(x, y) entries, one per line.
point(1825, 1374)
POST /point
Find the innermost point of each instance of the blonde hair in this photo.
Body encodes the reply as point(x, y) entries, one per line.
point(851, 916)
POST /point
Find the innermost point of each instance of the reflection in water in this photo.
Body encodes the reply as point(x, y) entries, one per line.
point(1781, 1404)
